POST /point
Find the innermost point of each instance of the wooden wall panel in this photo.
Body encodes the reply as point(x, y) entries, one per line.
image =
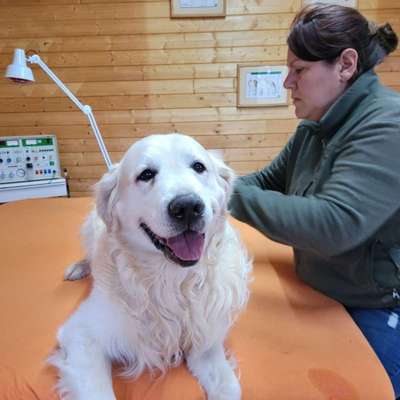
point(144, 73)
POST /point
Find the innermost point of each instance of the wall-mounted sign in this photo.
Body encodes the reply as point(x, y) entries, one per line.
point(198, 8)
point(261, 86)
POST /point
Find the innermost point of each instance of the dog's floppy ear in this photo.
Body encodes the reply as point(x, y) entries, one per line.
point(106, 196)
point(225, 173)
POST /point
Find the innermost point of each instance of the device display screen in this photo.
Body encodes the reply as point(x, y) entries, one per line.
point(9, 143)
point(38, 142)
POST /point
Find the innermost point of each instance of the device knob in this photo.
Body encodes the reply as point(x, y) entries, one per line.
point(20, 173)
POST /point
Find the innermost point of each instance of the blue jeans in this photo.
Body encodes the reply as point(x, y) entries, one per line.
point(381, 327)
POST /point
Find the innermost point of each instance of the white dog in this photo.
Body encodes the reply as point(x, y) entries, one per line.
point(170, 274)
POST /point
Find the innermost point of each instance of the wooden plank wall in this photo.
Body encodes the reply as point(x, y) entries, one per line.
point(144, 73)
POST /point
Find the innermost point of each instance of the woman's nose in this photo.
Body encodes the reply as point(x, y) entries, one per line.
point(289, 82)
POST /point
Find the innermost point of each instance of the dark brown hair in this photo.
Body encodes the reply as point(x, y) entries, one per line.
point(321, 32)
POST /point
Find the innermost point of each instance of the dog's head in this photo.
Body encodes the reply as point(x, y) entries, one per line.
point(166, 197)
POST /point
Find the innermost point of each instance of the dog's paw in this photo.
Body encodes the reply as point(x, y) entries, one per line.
point(78, 270)
point(226, 392)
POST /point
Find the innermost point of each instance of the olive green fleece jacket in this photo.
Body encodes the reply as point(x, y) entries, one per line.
point(333, 194)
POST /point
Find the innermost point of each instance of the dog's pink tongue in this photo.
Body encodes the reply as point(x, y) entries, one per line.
point(187, 246)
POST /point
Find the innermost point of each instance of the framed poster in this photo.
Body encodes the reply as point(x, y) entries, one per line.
point(198, 8)
point(347, 3)
point(261, 86)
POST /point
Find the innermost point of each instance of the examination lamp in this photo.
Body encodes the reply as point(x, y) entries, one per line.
point(19, 72)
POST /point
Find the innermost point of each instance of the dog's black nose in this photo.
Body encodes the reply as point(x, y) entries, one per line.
point(186, 208)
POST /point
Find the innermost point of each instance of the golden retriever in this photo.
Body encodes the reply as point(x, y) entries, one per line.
point(169, 273)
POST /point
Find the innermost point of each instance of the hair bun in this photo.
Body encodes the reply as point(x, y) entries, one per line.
point(387, 37)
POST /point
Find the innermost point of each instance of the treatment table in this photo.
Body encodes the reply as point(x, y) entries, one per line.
point(291, 343)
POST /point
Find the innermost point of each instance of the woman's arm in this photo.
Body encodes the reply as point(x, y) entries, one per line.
point(271, 177)
point(361, 194)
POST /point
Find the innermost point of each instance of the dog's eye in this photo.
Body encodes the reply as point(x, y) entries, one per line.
point(199, 167)
point(147, 175)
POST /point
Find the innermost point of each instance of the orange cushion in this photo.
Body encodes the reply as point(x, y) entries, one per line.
point(290, 343)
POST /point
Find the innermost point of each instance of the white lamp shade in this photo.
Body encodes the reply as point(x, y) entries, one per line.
point(18, 71)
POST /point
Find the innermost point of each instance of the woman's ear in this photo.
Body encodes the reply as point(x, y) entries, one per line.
point(106, 196)
point(348, 60)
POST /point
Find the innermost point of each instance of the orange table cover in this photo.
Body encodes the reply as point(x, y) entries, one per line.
point(291, 343)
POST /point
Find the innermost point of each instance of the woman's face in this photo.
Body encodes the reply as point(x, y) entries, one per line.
point(315, 85)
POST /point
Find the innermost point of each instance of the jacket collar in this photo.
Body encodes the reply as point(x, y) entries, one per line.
point(342, 107)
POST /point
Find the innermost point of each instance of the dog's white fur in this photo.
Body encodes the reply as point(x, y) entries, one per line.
point(145, 311)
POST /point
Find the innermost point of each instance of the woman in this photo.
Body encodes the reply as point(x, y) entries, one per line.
point(333, 193)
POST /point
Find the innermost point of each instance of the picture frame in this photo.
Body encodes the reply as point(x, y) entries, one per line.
point(346, 3)
point(261, 85)
point(198, 8)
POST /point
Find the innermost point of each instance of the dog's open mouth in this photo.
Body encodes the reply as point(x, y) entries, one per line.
point(184, 249)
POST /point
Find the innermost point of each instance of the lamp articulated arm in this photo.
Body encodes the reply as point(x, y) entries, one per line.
point(87, 110)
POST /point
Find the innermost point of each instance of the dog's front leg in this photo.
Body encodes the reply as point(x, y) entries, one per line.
point(215, 374)
point(77, 270)
point(84, 370)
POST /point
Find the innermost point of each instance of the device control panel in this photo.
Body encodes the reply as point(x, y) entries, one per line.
point(29, 158)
